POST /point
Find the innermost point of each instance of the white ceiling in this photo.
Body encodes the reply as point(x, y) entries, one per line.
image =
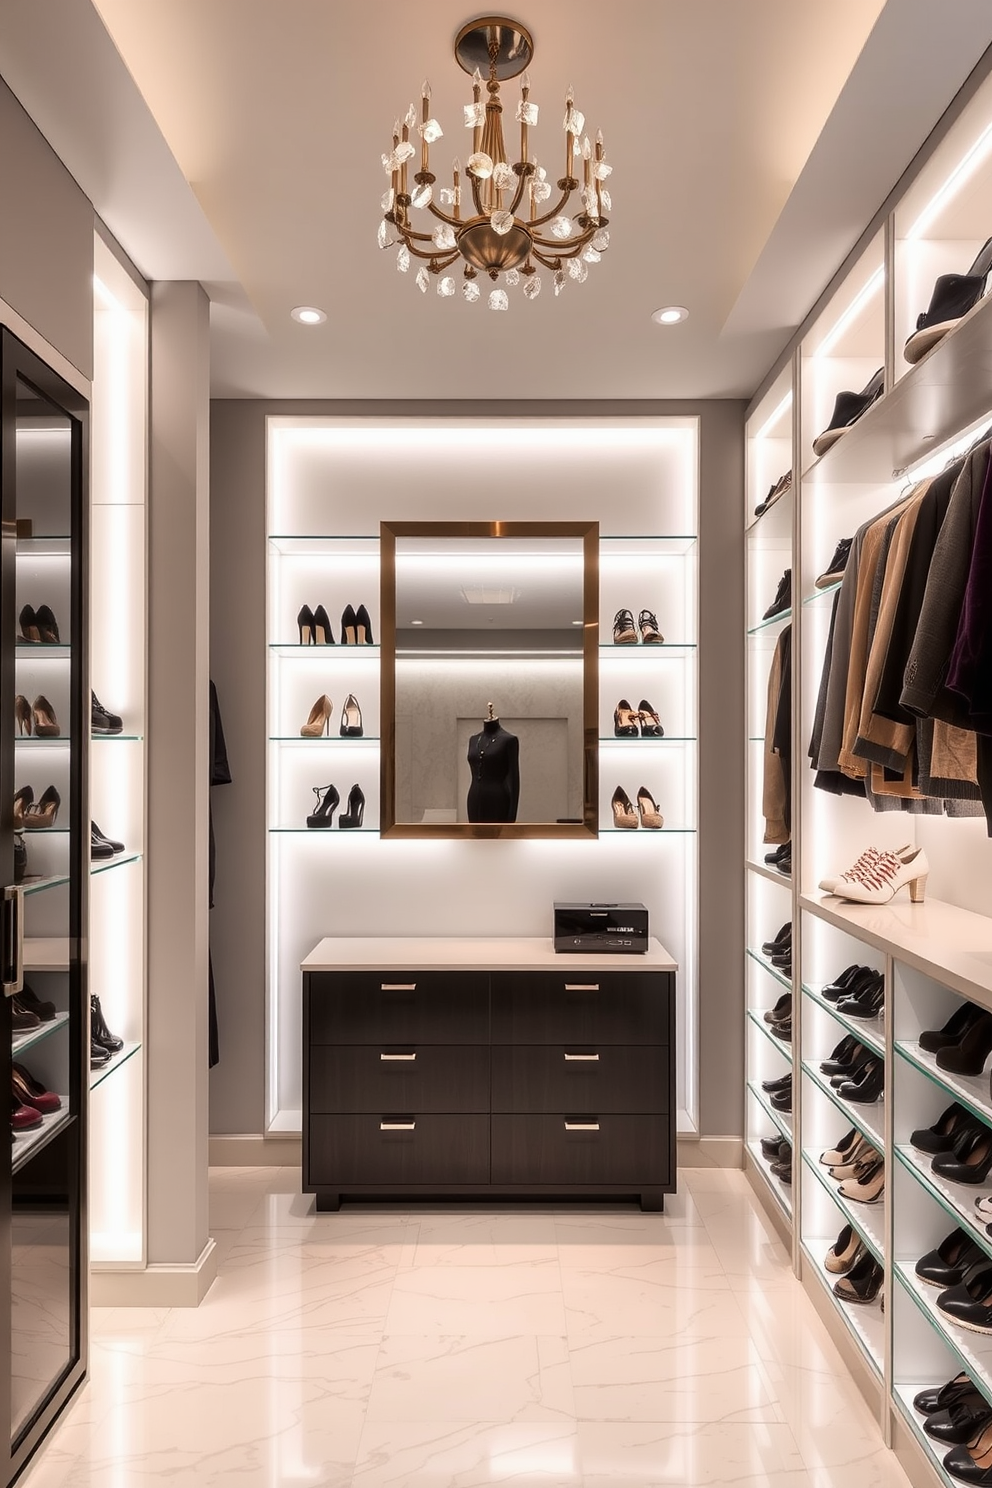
point(751, 141)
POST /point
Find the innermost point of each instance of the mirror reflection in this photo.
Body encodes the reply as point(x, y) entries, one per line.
point(490, 685)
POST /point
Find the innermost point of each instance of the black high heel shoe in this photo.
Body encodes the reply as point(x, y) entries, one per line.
point(944, 1133)
point(48, 626)
point(625, 720)
point(322, 633)
point(323, 813)
point(650, 722)
point(970, 1161)
point(355, 814)
point(349, 625)
point(363, 627)
point(28, 622)
point(305, 622)
point(953, 1030)
point(351, 718)
point(968, 1056)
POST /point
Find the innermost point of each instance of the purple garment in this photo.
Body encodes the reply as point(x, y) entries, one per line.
point(969, 673)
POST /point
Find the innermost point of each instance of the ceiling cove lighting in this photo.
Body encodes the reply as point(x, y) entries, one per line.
point(308, 315)
point(515, 219)
point(861, 300)
point(961, 173)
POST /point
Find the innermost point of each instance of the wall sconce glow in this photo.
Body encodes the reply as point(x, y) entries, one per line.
point(961, 173)
point(850, 315)
point(416, 622)
point(308, 315)
point(670, 315)
point(774, 416)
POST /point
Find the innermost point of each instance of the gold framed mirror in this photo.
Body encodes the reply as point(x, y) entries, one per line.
point(490, 679)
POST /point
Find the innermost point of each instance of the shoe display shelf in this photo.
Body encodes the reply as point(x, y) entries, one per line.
point(935, 953)
point(118, 769)
point(330, 483)
point(768, 904)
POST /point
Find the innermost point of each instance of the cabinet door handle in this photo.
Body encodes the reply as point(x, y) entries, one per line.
point(397, 987)
point(13, 939)
point(581, 986)
point(582, 1126)
point(389, 1058)
point(581, 1058)
point(397, 1126)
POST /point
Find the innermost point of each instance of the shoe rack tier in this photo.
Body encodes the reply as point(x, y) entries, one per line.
point(865, 1321)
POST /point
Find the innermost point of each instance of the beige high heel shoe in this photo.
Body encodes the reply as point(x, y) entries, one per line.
point(648, 807)
point(319, 721)
point(624, 814)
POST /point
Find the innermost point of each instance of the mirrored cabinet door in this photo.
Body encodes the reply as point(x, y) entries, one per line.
point(46, 871)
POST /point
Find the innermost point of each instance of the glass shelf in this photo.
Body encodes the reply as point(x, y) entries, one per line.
point(117, 862)
point(973, 1350)
point(823, 593)
point(640, 649)
point(32, 1036)
point(971, 1090)
point(26, 1144)
point(773, 971)
point(868, 1118)
point(665, 739)
point(36, 651)
point(295, 545)
point(784, 1046)
point(865, 1323)
point(44, 547)
point(324, 653)
point(650, 831)
point(322, 739)
point(324, 831)
point(633, 546)
point(31, 741)
point(870, 1031)
point(867, 1219)
point(97, 1076)
point(780, 1119)
point(55, 880)
point(780, 1190)
point(764, 625)
point(773, 874)
point(948, 1195)
point(935, 1451)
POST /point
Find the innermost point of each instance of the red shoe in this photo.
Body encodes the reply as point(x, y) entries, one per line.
point(32, 1093)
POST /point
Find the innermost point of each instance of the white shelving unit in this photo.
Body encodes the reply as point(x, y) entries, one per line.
point(330, 483)
point(932, 955)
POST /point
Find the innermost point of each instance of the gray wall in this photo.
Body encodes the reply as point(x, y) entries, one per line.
point(237, 659)
point(46, 238)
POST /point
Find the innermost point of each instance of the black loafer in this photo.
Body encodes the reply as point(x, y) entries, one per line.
point(772, 1087)
point(770, 1147)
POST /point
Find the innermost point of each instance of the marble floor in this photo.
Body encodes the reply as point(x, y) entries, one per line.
point(439, 1348)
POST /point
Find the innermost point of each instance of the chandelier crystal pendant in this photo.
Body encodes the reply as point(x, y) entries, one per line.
point(513, 228)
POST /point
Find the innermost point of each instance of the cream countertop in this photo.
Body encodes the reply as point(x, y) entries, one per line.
point(346, 953)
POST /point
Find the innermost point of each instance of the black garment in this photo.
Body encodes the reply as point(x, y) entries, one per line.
point(494, 759)
point(220, 774)
point(782, 732)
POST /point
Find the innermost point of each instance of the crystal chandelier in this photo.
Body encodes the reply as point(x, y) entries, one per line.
point(512, 229)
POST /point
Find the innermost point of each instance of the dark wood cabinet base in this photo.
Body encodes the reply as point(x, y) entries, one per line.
point(651, 1200)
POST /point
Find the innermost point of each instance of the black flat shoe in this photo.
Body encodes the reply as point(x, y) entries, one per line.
point(783, 597)
point(770, 1147)
point(772, 1087)
point(848, 408)
point(781, 1010)
point(953, 1030)
point(355, 814)
point(782, 939)
point(942, 1135)
point(838, 987)
point(782, 1100)
point(950, 1261)
point(953, 296)
point(782, 1030)
point(840, 1060)
point(968, 1055)
point(771, 858)
point(782, 1168)
point(943, 1396)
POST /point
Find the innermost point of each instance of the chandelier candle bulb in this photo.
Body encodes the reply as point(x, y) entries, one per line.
point(524, 95)
point(425, 105)
point(477, 99)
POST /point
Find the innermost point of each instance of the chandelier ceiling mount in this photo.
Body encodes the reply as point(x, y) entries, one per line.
point(509, 233)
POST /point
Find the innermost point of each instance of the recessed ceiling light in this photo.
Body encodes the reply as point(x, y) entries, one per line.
point(578, 622)
point(416, 622)
point(670, 315)
point(308, 315)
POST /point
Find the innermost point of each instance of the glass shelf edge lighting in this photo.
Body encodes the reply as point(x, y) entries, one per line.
point(782, 1120)
point(871, 1347)
point(869, 1031)
point(97, 1076)
point(784, 1047)
point(970, 1091)
point(782, 618)
point(32, 1036)
point(773, 971)
point(850, 1211)
point(852, 1111)
point(773, 1184)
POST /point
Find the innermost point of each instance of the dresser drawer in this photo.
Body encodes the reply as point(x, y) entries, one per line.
point(580, 1007)
point(397, 1149)
point(398, 1007)
point(570, 1077)
point(380, 1077)
point(556, 1149)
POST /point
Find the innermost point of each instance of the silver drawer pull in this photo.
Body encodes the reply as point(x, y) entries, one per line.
point(397, 986)
point(409, 1057)
point(397, 1126)
point(581, 1058)
point(581, 986)
point(582, 1126)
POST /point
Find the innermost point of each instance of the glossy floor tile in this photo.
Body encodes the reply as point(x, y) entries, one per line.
point(463, 1347)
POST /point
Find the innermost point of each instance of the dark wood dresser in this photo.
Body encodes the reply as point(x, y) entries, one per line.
point(487, 1069)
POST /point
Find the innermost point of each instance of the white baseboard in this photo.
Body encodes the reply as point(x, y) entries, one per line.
point(710, 1152)
point(251, 1150)
point(156, 1286)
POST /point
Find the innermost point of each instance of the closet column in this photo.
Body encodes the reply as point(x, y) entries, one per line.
point(181, 1263)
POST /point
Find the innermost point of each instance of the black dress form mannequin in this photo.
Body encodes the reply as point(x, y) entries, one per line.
point(494, 759)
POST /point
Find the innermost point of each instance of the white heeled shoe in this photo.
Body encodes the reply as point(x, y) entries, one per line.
point(880, 881)
point(835, 884)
